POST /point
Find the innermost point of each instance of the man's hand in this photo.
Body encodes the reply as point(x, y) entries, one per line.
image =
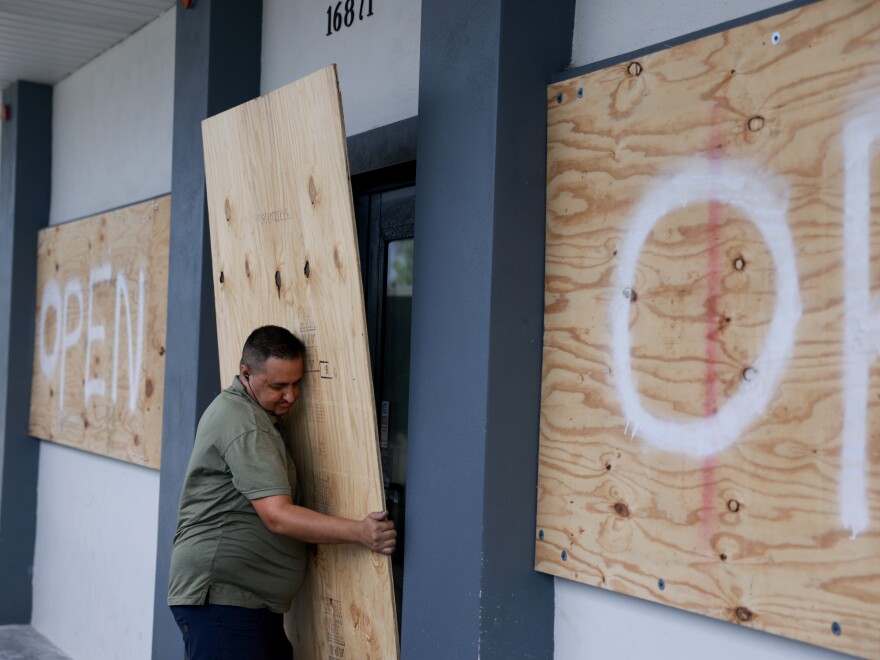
point(378, 533)
point(281, 516)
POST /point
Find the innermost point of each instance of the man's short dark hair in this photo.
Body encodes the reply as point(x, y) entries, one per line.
point(271, 341)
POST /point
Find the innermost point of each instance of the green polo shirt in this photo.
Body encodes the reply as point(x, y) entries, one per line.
point(223, 553)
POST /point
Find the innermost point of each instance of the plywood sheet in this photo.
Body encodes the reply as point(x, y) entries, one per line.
point(285, 252)
point(99, 353)
point(710, 411)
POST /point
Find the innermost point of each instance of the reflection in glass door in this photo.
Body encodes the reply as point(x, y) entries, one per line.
point(394, 395)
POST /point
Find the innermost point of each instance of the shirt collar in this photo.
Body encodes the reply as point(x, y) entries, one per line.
point(238, 388)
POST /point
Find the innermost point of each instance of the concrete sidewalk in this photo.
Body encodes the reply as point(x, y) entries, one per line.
point(25, 643)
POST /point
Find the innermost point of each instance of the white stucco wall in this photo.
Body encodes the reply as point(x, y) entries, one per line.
point(592, 622)
point(94, 564)
point(607, 28)
point(111, 126)
point(377, 58)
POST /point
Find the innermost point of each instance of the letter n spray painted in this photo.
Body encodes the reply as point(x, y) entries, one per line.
point(135, 350)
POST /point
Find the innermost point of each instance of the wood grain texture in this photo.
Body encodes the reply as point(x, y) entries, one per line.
point(750, 519)
point(285, 252)
point(99, 350)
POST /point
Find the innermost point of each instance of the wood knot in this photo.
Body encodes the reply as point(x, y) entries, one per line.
point(313, 191)
point(739, 263)
point(278, 282)
point(744, 614)
point(306, 270)
point(336, 258)
point(733, 506)
point(356, 615)
point(137, 440)
point(161, 350)
point(148, 388)
point(222, 277)
point(247, 268)
point(756, 123)
point(634, 69)
point(630, 294)
point(621, 510)
point(227, 209)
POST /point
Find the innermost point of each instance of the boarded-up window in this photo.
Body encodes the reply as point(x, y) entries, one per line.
point(710, 414)
point(99, 365)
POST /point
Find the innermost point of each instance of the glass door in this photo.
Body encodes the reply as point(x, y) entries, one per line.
point(385, 217)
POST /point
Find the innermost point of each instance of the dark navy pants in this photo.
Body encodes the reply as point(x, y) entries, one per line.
point(224, 632)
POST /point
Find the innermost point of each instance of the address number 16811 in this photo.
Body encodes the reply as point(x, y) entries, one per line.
point(343, 14)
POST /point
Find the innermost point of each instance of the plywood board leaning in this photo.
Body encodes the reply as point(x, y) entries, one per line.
point(710, 412)
point(285, 252)
point(99, 349)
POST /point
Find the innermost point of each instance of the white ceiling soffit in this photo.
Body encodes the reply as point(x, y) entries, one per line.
point(45, 40)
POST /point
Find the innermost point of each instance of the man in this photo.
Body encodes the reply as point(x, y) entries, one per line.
point(240, 550)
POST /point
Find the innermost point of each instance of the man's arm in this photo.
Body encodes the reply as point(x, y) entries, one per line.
point(282, 516)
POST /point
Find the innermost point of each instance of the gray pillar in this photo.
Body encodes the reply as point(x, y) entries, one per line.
point(25, 186)
point(217, 66)
point(470, 589)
